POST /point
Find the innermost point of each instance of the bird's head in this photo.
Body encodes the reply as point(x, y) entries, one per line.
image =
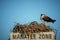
point(42, 15)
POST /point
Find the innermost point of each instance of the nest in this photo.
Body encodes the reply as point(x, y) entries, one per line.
point(33, 27)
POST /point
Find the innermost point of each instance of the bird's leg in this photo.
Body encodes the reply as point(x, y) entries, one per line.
point(44, 22)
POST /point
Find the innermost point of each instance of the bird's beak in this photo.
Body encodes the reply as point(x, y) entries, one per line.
point(41, 14)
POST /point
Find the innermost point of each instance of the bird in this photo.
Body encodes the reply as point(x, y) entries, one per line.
point(45, 19)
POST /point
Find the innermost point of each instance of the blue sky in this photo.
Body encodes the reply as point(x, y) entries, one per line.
point(26, 11)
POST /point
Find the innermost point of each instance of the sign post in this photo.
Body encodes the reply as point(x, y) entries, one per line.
point(33, 36)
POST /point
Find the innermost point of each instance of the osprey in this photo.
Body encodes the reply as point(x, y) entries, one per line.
point(45, 19)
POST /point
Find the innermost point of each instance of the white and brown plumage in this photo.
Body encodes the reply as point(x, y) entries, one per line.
point(45, 19)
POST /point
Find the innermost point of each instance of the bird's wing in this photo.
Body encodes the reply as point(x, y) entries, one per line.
point(46, 18)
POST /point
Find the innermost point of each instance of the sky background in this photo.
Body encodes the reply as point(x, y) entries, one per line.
point(26, 11)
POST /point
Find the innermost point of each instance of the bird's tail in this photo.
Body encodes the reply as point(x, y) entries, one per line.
point(53, 21)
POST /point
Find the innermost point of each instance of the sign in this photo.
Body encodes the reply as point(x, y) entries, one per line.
point(33, 36)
